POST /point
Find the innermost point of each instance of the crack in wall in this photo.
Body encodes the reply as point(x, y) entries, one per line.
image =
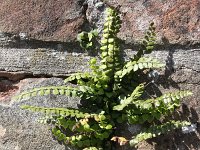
point(14, 77)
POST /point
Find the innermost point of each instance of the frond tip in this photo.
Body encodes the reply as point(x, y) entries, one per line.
point(78, 76)
point(142, 63)
point(63, 112)
point(55, 90)
point(158, 130)
point(136, 94)
point(156, 108)
point(167, 101)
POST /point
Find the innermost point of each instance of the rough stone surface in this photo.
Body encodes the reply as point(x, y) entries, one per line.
point(177, 21)
point(42, 20)
point(54, 63)
point(19, 129)
point(23, 132)
point(2, 131)
point(41, 62)
point(37, 42)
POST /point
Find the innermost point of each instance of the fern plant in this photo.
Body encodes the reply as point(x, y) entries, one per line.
point(113, 93)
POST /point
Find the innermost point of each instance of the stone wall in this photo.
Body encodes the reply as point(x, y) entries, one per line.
point(38, 47)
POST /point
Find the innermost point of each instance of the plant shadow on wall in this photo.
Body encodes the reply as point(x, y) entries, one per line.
point(180, 140)
point(113, 93)
point(176, 140)
point(169, 68)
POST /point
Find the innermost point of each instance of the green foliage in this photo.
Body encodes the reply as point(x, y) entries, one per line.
point(139, 111)
point(86, 40)
point(130, 100)
point(55, 90)
point(154, 131)
point(142, 63)
point(114, 94)
point(63, 112)
point(147, 43)
point(79, 77)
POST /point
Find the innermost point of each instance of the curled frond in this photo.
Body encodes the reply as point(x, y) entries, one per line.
point(86, 39)
point(157, 130)
point(55, 90)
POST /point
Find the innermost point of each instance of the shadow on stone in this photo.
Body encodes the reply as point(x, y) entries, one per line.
point(178, 139)
point(169, 68)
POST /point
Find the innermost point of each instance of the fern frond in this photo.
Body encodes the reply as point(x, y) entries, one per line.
point(142, 63)
point(155, 131)
point(78, 76)
point(148, 110)
point(74, 140)
point(114, 92)
point(59, 134)
point(135, 95)
point(95, 68)
point(147, 44)
point(89, 87)
point(149, 39)
point(55, 90)
point(110, 52)
point(64, 112)
point(79, 140)
point(167, 101)
point(86, 40)
point(46, 119)
point(82, 139)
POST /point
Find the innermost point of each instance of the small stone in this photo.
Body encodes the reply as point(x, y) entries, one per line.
point(99, 5)
point(60, 47)
point(2, 131)
point(23, 36)
point(189, 129)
